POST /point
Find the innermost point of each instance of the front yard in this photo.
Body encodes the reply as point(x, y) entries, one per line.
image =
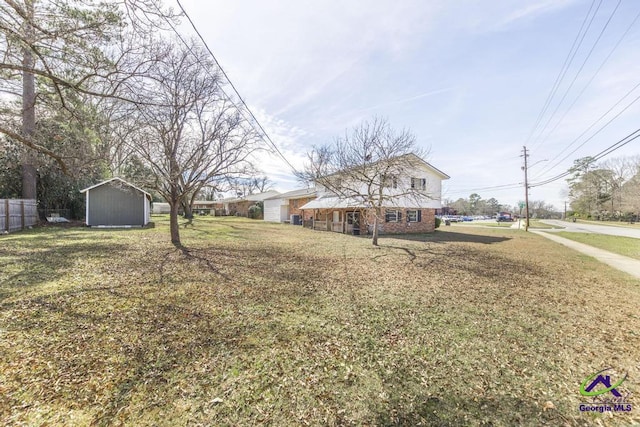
point(267, 324)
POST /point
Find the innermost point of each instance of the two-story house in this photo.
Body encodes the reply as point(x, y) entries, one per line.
point(400, 197)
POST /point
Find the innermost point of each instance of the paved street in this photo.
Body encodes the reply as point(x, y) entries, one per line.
point(578, 227)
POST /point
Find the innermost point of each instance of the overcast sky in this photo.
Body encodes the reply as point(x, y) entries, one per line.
point(468, 78)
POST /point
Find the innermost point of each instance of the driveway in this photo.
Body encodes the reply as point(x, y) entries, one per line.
point(578, 227)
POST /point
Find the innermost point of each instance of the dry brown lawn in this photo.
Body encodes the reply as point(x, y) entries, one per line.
point(264, 324)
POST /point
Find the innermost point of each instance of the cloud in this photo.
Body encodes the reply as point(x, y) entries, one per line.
point(532, 10)
point(468, 77)
point(405, 100)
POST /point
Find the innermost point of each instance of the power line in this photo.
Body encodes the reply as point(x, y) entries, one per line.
point(206, 46)
point(493, 188)
point(264, 136)
point(589, 128)
point(584, 62)
point(595, 74)
point(621, 143)
point(565, 66)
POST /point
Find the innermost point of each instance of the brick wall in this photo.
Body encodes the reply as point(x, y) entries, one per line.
point(294, 207)
point(426, 225)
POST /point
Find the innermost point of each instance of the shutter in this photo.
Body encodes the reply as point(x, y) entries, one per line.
point(419, 215)
point(399, 215)
point(386, 216)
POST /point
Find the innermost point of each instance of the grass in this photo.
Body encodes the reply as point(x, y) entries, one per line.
point(627, 246)
point(533, 223)
point(266, 324)
point(536, 223)
point(612, 223)
point(486, 224)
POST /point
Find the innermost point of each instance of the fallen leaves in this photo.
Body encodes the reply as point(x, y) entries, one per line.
point(273, 324)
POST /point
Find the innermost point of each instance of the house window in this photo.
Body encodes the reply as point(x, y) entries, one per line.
point(419, 183)
point(353, 218)
point(392, 215)
point(414, 216)
point(391, 181)
point(295, 203)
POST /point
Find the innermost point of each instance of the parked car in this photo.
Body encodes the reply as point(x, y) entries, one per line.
point(503, 218)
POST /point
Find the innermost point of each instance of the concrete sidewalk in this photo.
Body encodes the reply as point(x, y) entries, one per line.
point(620, 262)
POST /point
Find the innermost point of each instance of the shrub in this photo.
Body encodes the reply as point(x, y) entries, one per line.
point(438, 221)
point(255, 211)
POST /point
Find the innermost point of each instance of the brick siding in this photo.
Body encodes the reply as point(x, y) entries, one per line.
point(294, 207)
point(426, 225)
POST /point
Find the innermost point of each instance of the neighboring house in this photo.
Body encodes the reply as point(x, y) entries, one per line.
point(239, 206)
point(413, 198)
point(160, 208)
point(117, 203)
point(204, 207)
point(282, 207)
point(200, 207)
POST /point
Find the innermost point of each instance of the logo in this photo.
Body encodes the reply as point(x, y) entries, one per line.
point(605, 395)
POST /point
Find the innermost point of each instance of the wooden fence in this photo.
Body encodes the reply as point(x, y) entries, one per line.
point(17, 214)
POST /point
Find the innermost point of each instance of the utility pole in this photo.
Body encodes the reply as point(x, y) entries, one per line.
point(565, 211)
point(526, 189)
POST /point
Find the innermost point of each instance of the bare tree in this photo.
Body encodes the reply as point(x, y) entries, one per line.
point(189, 134)
point(368, 168)
point(542, 210)
point(622, 170)
point(254, 184)
point(53, 52)
point(630, 191)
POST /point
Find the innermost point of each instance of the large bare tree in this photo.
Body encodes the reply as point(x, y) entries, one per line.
point(189, 134)
point(252, 185)
point(53, 51)
point(368, 167)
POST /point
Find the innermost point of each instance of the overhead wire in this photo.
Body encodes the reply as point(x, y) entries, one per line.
point(546, 169)
point(264, 132)
point(252, 120)
point(493, 188)
point(621, 143)
point(565, 66)
point(595, 74)
point(575, 77)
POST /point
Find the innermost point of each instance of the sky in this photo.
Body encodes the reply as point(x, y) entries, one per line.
point(470, 79)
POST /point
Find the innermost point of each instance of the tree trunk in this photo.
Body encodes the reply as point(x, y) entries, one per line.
point(29, 171)
point(173, 222)
point(188, 211)
point(375, 228)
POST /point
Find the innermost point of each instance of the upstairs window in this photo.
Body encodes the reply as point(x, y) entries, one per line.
point(391, 181)
point(419, 184)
